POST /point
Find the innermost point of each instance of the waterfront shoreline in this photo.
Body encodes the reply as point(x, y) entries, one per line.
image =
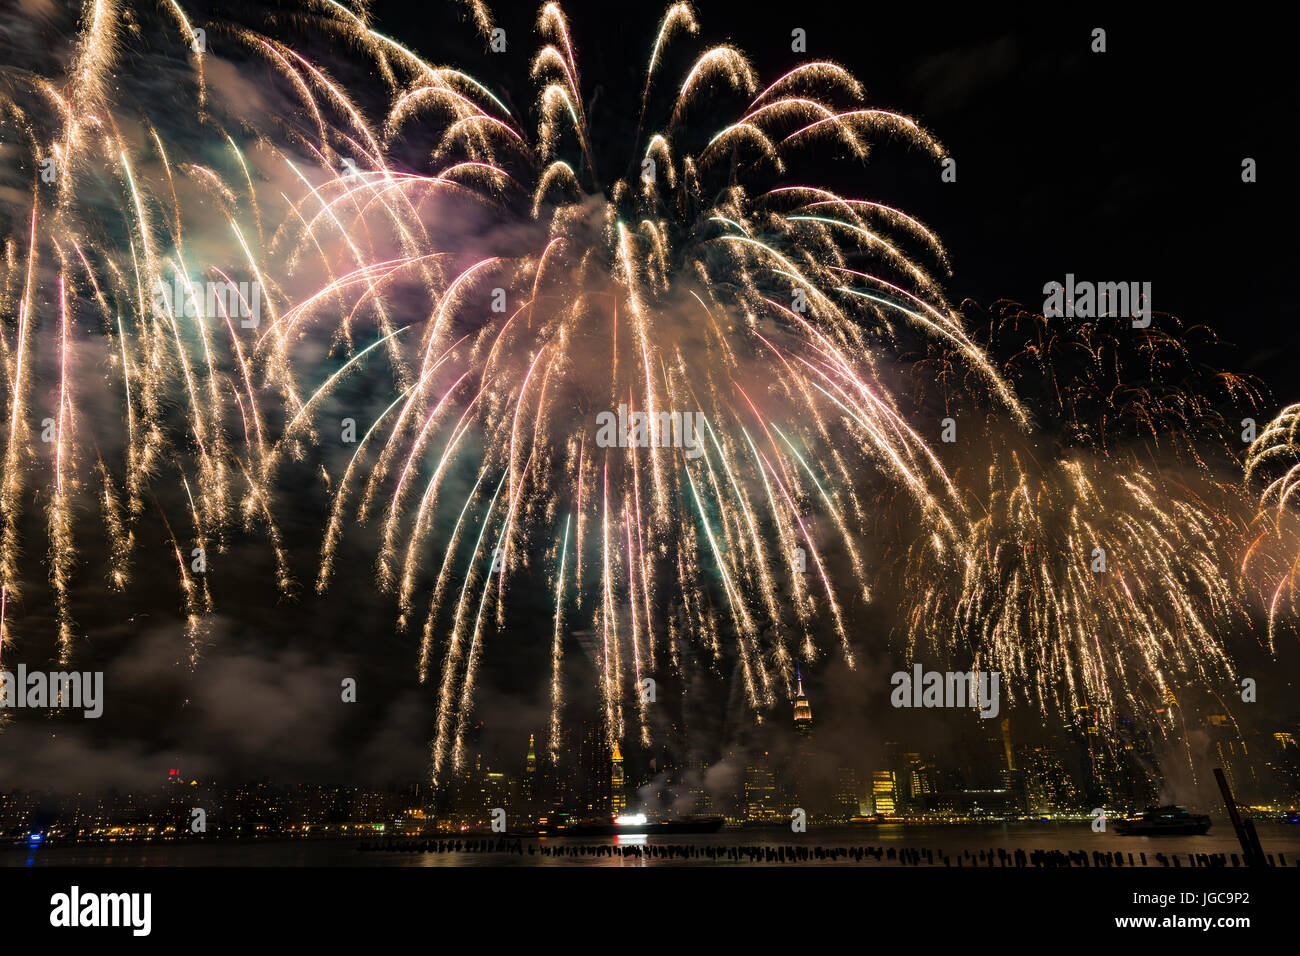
point(1073, 846)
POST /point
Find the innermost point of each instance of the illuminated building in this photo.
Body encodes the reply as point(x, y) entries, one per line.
point(496, 791)
point(559, 785)
point(761, 792)
point(795, 781)
point(696, 776)
point(530, 786)
point(596, 770)
point(1098, 767)
point(847, 802)
point(1282, 757)
point(885, 791)
point(803, 719)
point(1235, 759)
point(1013, 780)
point(617, 796)
point(919, 784)
point(1049, 790)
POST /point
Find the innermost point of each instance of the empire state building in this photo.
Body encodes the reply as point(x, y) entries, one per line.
point(803, 721)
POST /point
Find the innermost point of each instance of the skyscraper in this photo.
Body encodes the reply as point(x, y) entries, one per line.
point(797, 779)
point(847, 798)
point(803, 719)
point(919, 783)
point(760, 801)
point(596, 766)
point(884, 790)
point(617, 796)
point(531, 790)
point(1049, 788)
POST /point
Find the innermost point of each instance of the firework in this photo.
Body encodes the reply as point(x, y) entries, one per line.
point(685, 291)
point(1271, 563)
point(1098, 571)
point(106, 290)
point(1102, 384)
point(655, 381)
point(1089, 582)
point(708, 290)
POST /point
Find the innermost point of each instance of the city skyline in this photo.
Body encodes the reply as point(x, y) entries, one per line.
point(999, 779)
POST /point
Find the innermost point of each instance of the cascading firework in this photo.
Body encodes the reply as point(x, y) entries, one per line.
point(1272, 561)
point(436, 303)
point(1098, 572)
point(676, 292)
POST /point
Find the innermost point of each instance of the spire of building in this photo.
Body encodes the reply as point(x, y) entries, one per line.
point(802, 709)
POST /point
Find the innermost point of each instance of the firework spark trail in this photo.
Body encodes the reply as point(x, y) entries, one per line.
point(12, 479)
point(1038, 603)
point(1271, 562)
point(1105, 554)
point(715, 280)
point(563, 291)
point(638, 246)
point(60, 518)
point(101, 274)
point(455, 652)
point(557, 647)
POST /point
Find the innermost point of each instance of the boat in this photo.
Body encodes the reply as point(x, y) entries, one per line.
point(1164, 821)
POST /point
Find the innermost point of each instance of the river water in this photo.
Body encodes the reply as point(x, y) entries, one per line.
point(954, 841)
